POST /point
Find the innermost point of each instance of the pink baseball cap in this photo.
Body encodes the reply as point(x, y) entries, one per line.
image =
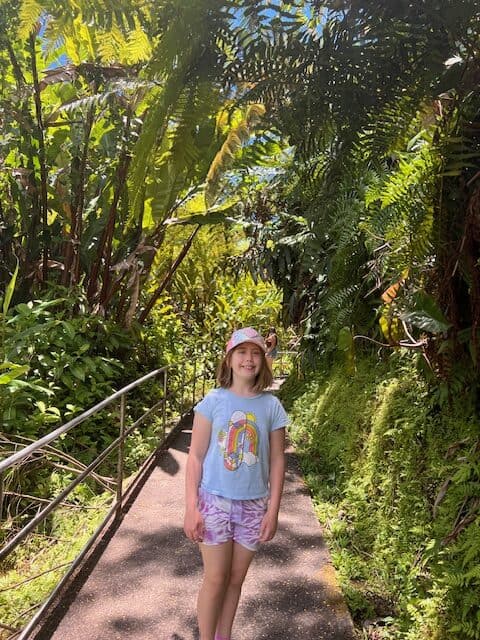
point(248, 334)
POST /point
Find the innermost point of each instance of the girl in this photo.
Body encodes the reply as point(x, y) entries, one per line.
point(234, 478)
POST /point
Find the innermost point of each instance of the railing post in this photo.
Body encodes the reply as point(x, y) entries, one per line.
point(204, 377)
point(182, 396)
point(164, 403)
point(194, 378)
point(120, 462)
point(1, 495)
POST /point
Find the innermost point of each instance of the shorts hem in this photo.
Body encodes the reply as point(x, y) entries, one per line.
point(246, 546)
point(242, 544)
point(216, 543)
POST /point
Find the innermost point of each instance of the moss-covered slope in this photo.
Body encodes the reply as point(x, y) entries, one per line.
point(396, 481)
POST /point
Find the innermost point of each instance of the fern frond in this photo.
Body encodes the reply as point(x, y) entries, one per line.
point(138, 47)
point(473, 575)
point(30, 12)
point(79, 41)
point(341, 298)
point(236, 137)
point(108, 46)
point(410, 174)
point(112, 92)
point(150, 137)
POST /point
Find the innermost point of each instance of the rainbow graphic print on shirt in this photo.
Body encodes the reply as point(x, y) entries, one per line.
point(240, 443)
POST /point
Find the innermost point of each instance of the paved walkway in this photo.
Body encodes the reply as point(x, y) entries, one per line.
point(144, 580)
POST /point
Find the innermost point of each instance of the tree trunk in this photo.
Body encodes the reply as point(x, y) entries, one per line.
point(105, 244)
point(169, 276)
point(71, 273)
point(41, 159)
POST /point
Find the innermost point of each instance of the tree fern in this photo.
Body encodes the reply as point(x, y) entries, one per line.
point(139, 47)
point(30, 12)
point(237, 136)
point(112, 45)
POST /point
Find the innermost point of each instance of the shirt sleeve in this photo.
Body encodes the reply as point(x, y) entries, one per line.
point(279, 415)
point(206, 405)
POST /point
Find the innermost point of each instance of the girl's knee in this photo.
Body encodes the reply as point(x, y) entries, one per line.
point(236, 579)
point(216, 579)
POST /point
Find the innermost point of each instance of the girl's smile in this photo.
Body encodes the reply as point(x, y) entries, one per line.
point(246, 360)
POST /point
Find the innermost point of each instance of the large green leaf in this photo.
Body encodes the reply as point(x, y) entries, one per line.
point(21, 384)
point(215, 215)
point(9, 291)
point(12, 371)
point(426, 315)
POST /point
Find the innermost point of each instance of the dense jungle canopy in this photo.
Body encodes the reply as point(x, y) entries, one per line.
point(170, 169)
point(342, 137)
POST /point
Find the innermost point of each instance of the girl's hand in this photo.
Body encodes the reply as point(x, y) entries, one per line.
point(193, 525)
point(268, 528)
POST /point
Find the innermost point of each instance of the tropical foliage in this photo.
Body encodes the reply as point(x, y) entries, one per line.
point(162, 162)
point(112, 121)
point(374, 225)
point(395, 485)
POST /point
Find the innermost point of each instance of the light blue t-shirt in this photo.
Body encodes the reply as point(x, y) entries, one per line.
point(237, 461)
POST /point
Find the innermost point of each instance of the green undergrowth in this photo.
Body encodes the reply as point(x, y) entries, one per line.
point(396, 484)
point(32, 571)
point(30, 574)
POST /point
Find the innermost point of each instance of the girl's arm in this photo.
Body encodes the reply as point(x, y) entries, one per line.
point(277, 475)
point(201, 431)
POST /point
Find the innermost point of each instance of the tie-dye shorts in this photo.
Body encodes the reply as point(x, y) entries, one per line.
point(226, 519)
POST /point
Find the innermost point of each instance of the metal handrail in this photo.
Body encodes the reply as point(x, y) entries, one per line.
point(53, 435)
point(117, 505)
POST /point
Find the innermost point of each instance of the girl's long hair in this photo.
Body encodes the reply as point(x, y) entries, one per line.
point(263, 380)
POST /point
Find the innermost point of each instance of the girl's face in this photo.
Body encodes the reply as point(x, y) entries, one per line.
point(246, 361)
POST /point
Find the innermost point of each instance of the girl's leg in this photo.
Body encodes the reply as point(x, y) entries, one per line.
point(241, 558)
point(217, 560)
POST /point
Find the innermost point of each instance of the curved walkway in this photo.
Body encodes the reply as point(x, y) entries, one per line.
point(141, 582)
